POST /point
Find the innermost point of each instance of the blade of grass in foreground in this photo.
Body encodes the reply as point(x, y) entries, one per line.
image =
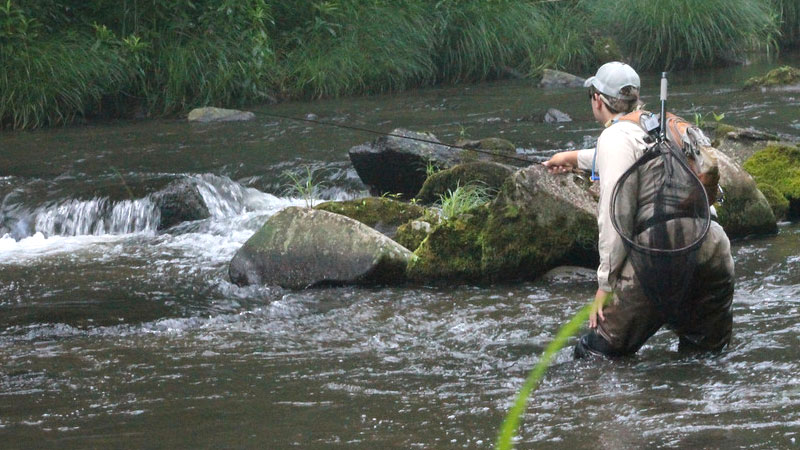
point(511, 422)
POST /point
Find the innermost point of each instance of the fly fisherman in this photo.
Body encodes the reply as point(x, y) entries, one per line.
point(623, 317)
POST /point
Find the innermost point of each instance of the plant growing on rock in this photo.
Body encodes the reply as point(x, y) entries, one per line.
point(464, 198)
point(305, 186)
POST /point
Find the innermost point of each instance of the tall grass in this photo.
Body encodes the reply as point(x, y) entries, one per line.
point(64, 59)
point(464, 198)
point(686, 33)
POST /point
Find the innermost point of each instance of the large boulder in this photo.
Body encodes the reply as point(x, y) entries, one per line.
point(380, 213)
point(211, 114)
point(739, 143)
point(777, 167)
point(557, 79)
point(537, 222)
point(488, 174)
point(398, 165)
point(299, 248)
point(180, 201)
point(745, 210)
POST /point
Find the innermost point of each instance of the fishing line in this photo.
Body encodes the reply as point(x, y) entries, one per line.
point(535, 159)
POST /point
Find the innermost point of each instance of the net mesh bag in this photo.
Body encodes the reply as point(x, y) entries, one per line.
point(660, 209)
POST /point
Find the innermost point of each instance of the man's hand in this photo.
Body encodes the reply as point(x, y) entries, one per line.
point(562, 162)
point(600, 300)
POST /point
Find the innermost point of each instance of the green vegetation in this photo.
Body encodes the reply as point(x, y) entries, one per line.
point(304, 186)
point(776, 77)
point(65, 60)
point(464, 198)
point(778, 166)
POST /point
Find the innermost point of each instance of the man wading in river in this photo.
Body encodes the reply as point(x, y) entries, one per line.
point(623, 316)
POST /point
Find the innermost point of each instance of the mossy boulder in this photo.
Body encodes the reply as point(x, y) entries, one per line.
point(739, 143)
point(410, 235)
point(211, 114)
point(745, 210)
point(487, 149)
point(488, 174)
point(381, 213)
point(558, 79)
point(776, 200)
point(537, 222)
point(783, 78)
point(779, 166)
point(298, 248)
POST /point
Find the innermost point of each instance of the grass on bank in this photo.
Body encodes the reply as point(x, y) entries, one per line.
point(108, 58)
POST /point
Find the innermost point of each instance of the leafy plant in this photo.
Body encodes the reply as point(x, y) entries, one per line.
point(464, 198)
point(305, 186)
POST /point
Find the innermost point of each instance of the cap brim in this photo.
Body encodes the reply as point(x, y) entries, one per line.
point(589, 81)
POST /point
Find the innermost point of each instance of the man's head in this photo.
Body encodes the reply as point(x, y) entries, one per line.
point(616, 85)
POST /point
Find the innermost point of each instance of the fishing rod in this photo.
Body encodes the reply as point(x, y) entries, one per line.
point(534, 159)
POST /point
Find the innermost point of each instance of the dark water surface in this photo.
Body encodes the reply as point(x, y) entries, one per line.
point(115, 335)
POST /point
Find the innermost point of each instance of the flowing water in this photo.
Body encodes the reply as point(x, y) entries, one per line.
point(114, 334)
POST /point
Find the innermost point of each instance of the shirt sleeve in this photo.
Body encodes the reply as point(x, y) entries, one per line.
point(585, 159)
point(616, 153)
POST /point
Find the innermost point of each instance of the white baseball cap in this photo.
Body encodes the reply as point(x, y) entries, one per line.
point(612, 77)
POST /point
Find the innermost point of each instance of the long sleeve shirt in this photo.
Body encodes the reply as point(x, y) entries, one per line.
point(618, 147)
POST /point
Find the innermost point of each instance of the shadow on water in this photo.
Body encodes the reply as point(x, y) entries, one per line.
point(134, 337)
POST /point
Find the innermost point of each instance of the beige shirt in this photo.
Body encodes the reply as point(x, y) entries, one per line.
point(618, 147)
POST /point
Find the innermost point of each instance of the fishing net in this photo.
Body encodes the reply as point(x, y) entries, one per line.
point(660, 209)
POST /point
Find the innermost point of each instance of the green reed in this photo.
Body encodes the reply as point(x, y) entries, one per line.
point(686, 33)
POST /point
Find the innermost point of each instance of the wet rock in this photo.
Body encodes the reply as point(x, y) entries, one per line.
point(311, 116)
point(392, 164)
point(211, 114)
point(555, 116)
point(745, 210)
point(537, 222)
point(784, 78)
point(180, 201)
point(778, 167)
point(739, 143)
point(382, 214)
point(557, 79)
point(488, 174)
point(299, 248)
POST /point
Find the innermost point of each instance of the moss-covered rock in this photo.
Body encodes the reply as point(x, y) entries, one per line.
point(298, 248)
point(410, 235)
point(487, 149)
point(537, 222)
point(745, 210)
point(782, 76)
point(738, 143)
point(779, 165)
point(776, 200)
point(489, 174)
point(382, 213)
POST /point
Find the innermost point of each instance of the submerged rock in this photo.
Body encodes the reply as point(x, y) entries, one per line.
point(211, 114)
point(382, 214)
point(299, 248)
point(745, 210)
point(557, 79)
point(180, 201)
point(537, 222)
point(778, 166)
point(784, 78)
point(555, 116)
point(488, 174)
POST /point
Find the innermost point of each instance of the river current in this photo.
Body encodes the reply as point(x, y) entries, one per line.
point(116, 335)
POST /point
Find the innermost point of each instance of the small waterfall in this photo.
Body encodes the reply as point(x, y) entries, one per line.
point(97, 217)
point(223, 196)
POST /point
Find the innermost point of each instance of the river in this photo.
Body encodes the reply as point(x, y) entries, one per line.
point(115, 335)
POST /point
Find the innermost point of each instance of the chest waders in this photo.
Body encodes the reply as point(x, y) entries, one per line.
point(661, 210)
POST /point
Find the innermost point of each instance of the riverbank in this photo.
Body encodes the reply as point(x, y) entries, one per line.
point(137, 59)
